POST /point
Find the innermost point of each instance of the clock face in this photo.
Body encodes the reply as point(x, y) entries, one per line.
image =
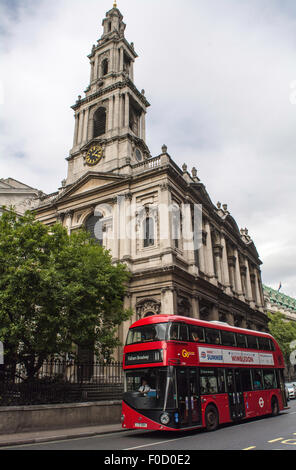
point(94, 155)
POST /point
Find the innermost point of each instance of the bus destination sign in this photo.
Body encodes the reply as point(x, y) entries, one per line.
point(143, 357)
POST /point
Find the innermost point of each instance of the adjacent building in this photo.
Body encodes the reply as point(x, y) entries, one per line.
point(276, 301)
point(187, 255)
point(18, 195)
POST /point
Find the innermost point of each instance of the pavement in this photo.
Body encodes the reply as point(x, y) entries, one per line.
point(57, 434)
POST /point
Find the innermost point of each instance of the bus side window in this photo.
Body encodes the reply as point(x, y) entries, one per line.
point(257, 379)
point(228, 338)
point(269, 379)
point(213, 336)
point(241, 340)
point(246, 380)
point(174, 331)
point(264, 343)
point(252, 342)
point(197, 334)
point(271, 345)
point(183, 332)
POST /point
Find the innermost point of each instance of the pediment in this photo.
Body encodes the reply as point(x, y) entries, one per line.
point(90, 182)
point(4, 185)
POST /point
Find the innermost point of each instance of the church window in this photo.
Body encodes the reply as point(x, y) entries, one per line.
point(99, 122)
point(138, 155)
point(105, 67)
point(126, 64)
point(148, 232)
point(95, 227)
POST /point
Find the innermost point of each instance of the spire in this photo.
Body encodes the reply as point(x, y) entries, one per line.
point(113, 23)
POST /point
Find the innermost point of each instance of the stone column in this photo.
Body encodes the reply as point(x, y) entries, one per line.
point(115, 241)
point(258, 294)
point(209, 254)
point(125, 227)
point(201, 257)
point(165, 220)
point(249, 286)
point(110, 116)
point(76, 129)
point(214, 313)
point(230, 319)
point(225, 268)
point(126, 110)
point(68, 220)
point(195, 306)
point(143, 126)
point(81, 118)
point(217, 260)
point(121, 60)
point(116, 111)
point(92, 66)
point(96, 68)
point(238, 281)
point(231, 265)
point(86, 114)
point(188, 243)
point(168, 301)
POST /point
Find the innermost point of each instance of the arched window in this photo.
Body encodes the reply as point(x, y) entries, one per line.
point(99, 122)
point(148, 231)
point(95, 227)
point(105, 67)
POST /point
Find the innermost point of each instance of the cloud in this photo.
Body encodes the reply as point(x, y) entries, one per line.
point(218, 75)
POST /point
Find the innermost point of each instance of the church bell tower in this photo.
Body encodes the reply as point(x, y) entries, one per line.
point(109, 134)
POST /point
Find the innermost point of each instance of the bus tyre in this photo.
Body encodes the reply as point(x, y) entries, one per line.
point(274, 407)
point(211, 418)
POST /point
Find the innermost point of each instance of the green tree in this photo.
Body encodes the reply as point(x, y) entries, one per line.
point(56, 290)
point(284, 332)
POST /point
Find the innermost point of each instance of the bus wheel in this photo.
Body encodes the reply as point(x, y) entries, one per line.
point(211, 418)
point(274, 407)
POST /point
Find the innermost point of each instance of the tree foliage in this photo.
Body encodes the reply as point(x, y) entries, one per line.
point(284, 332)
point(56, 290)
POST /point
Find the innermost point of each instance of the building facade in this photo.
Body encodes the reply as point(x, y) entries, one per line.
point(18, 195)
point(276, 301)
point(187, 255)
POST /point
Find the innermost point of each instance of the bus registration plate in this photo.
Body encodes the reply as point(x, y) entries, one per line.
point(141, 425)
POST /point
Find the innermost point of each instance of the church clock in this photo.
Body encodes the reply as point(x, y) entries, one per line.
point(94, 155)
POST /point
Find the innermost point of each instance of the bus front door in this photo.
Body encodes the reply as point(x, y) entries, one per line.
point(235, 394)
point(188, 396)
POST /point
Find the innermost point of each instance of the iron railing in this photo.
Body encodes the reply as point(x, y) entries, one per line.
point(61, 381)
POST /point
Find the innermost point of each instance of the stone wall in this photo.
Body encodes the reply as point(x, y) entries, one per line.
point(15, 419)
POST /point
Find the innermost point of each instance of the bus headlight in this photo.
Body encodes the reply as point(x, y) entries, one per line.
point(165, 418)
point(122, 418)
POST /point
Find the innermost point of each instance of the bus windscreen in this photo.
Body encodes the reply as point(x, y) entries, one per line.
point(145, 333)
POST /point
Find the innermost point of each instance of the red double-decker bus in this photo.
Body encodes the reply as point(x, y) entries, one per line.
point(182, 373)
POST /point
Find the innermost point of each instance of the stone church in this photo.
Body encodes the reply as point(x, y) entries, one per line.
point(143, 207)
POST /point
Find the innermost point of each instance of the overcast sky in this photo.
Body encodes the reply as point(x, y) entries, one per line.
point(221, 79)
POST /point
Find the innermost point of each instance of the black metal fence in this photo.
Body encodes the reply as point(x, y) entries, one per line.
point(61, 381)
